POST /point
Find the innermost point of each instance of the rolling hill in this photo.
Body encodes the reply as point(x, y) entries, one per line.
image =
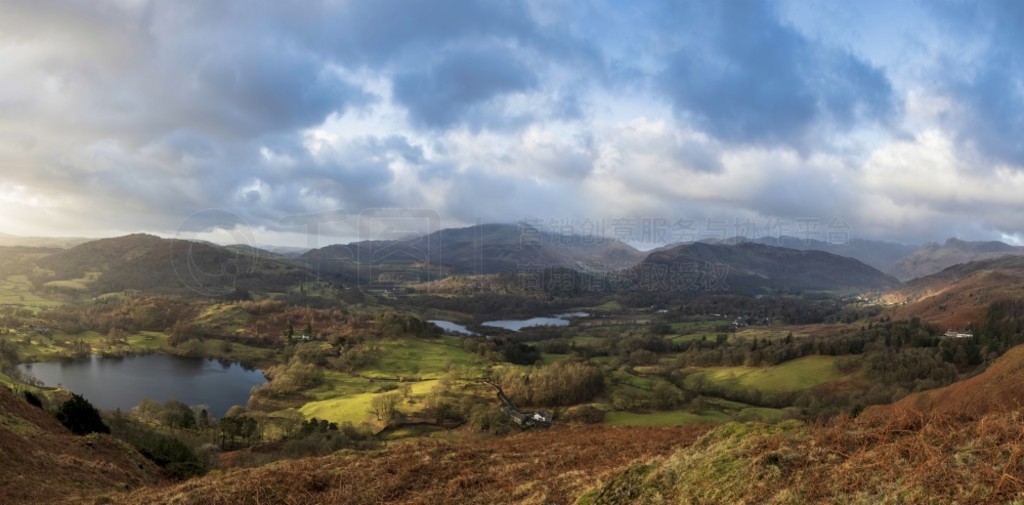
point(961, 294)
point(957, 444)
point(754, 268)
point(875, 253)
point(934, 257)
point(147, 262)
point(482, 249)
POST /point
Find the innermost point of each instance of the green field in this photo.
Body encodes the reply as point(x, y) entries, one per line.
point(765, 333)
point(667, 418)
point(422, 358)
point(715, 410)
point(692, 325)
point(353, 409)
point(17, 290)
point(609, 306)
point(710, 337)
point(796, 375)
point(628, 379)
point(347, 399)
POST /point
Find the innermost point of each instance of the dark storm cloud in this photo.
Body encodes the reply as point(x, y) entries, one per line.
point(136, 114)
point(260, 89)
point(988, 86)
point(439, 96)
point(745, 77)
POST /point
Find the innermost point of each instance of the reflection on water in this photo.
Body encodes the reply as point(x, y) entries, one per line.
point(120, 383)
point(451, 327)
point(518, 324)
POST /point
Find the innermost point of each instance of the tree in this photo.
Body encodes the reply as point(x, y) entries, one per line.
point(666, 396)
point(203, 421)
point(177, 414)
point(242, 427)
point(79, 416)
point(384, 406)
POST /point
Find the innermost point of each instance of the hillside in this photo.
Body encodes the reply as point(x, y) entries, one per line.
point(44, 463)
point(146, 262)
point(997, 390)
point(877, 254)
point(482, 249)
point(755, 268)
point(552, 466)
point(958, 444)
point(933, 257)
point(960, 295)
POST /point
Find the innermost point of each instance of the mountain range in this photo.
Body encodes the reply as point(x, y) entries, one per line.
point(756, 268)
point(142, 261)
point(875, 253)
point(904, 262)
point(484, 249)
point(934, 257)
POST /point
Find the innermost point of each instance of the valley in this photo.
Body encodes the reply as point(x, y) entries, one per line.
point(359, 368)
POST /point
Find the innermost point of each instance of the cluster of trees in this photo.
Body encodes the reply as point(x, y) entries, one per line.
point(291, 377)
point(79, 416)
point(898, 357)
point(662, 396)
point(131, 313)
point(565, 382)
point(318, 437)
point(393, 325)
point(182, 453)
point(503, 348)
point(238, 431)
point(173, 414)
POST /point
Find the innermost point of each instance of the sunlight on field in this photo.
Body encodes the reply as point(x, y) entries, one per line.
point(796, 375)
point(353, 405)
point(351, 408)
point(425, 359)
point(17, 290)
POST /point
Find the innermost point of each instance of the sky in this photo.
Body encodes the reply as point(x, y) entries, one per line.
point(267, 121)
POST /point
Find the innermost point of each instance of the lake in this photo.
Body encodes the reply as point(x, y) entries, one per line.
point(120, 383)
point(518, 324)
point(451, 327)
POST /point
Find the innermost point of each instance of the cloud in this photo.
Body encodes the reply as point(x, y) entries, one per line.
point(442, 95)
point(957, 197)
point(747, 78)
point(978, 66)
point(126, 116)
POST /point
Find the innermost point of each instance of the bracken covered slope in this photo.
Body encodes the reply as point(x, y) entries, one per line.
point(551, 466)
point(960, 444)
point(960, 296)
point(41, 462)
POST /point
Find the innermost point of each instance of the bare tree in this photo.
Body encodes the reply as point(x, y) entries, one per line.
point(385, 406)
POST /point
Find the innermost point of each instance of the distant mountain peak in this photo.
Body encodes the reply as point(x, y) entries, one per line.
point(933, 257)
